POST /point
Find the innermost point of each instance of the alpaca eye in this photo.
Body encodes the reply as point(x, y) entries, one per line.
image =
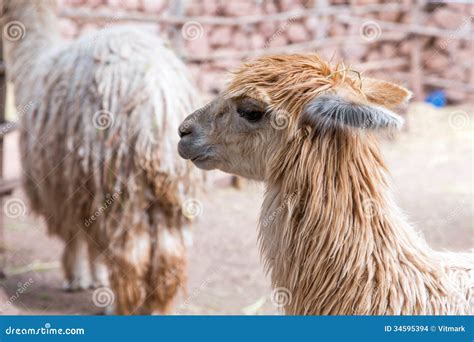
point(250, 115)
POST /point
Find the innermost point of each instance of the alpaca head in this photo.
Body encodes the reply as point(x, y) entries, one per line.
point(271, 99)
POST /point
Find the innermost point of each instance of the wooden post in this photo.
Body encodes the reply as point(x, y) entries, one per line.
point(322, 31)
point(3, 88)
point(415, 56)
point(471, 47)
point(177, 9)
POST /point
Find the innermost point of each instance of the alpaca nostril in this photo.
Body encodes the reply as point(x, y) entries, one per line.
point(184, 129)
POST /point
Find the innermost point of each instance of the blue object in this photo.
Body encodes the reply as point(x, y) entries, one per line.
point(437, 98)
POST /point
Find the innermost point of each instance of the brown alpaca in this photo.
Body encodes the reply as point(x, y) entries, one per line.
point(330, 232)
point(98, 152)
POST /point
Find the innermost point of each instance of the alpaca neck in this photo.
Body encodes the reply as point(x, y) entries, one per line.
point(331, 234)
point(30, 29)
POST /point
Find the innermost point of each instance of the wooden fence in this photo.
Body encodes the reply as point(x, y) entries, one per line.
point(350, 14)
point(5, 187)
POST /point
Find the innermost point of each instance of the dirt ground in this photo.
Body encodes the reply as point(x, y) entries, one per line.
point(432, 169)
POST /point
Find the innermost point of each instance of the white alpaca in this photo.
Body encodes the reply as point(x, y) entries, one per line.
point(98, 148)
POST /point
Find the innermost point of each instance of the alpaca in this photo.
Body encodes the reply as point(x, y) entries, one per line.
point(98, 152)
point(331, 236)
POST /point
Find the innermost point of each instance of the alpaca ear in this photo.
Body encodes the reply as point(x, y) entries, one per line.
point(384, 93)
point(334, 111)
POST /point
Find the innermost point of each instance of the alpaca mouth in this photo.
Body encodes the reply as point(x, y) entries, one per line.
point(203, 161)
point(199, 158)
point(202, 158)
point(190, 152)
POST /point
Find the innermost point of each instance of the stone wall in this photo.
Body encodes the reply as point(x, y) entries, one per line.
point(445, 57)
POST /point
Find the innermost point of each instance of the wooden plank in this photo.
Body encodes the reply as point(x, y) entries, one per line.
point(435, 81)
point(416, 65)
point(323, 20)
point(471, 47)
point(3, 96)
point(382, 64)
point(297, 47)
point(177, 9)
point(7, 127)
point(342, 13)
point(412, 28)
point(7, 186)
point(88, 15)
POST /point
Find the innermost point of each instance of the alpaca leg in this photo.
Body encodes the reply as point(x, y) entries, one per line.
point(76, 265)
point(168, 273)
point(128, 289)
point(128, 270)
point(98, 267)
